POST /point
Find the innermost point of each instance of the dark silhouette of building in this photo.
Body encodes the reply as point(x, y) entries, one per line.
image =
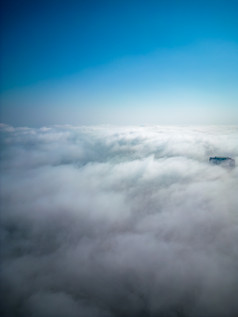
point(224, 161)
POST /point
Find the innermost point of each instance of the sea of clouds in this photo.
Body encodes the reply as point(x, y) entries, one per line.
point(118, 222)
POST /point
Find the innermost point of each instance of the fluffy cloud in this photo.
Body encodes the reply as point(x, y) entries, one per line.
point(118, 221)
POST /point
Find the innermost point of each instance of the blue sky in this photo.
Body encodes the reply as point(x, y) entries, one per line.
point(119, 62)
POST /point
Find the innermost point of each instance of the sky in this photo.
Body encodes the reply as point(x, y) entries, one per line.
point(119, 62)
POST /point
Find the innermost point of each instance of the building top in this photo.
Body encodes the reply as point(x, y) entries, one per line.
point(221, 160)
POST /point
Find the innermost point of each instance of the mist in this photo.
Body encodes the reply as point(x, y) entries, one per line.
point(108, 221)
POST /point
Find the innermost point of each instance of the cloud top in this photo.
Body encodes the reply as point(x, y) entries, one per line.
point(118, 221)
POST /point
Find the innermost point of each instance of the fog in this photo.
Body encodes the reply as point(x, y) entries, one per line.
point(118, 222)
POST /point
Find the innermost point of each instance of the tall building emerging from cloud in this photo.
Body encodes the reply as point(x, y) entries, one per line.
point(224, 161)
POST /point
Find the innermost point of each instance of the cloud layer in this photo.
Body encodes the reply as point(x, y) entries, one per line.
point(118, 221)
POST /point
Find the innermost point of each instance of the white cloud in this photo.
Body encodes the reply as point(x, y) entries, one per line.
point(109, 221)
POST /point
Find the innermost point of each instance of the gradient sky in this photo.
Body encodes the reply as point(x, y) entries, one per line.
point(119, 62)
